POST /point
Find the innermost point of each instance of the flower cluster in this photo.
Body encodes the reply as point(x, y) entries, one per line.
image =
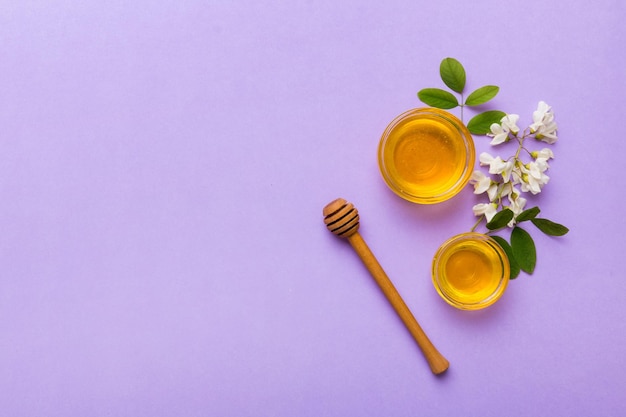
point(509, 179)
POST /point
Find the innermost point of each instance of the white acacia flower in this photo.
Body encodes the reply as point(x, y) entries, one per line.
point(517, 207)
point(541, 115)
point(543, 126)
point(506, 189)
point(530, 185)
point(535, 170)
point(487, 209)
point(483, 183)
point(492, 192)
point(533, 178)
point(545, 153)
point(500, 131)
point(547, 133)
point(542, 157)
point(517, 201)
point(496, 165)
point(508, 170)
point(516, 173)
point(510, 122)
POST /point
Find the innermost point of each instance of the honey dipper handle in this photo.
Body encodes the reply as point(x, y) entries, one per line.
point(438, 364)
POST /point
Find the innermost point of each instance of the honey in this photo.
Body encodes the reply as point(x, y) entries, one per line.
point(470, 271)
point(426, 155)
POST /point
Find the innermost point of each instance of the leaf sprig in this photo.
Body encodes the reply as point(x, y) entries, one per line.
point(506, 204)
point(454, 77)
point(522, 252)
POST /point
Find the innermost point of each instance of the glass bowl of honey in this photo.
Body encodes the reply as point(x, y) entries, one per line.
point(426, 155)
point(470, 271)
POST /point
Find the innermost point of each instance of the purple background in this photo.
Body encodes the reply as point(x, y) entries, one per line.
point(163, 168)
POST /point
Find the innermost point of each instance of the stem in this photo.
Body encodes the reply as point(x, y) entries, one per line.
point(520, 146)
point(527, 151)
point(462, 105)
point(480, 219)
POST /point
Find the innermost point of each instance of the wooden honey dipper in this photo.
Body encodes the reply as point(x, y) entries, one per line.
point(342, 219)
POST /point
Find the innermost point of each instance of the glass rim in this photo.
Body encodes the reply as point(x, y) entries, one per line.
point(503, 280)
point(463, 134)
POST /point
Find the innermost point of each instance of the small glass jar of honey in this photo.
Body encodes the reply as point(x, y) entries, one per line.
point(426, 155)
point(470, 271)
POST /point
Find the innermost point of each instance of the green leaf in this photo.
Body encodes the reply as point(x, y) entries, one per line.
point(482, 95)
point(501, 219)
point(549, 227)
point(529, 214)
point(453, 74)
point(436, 97)
point(513, 265)
point(481, 123)
point(524, 250)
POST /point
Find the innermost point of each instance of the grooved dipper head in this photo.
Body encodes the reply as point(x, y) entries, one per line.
point(341, 218)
